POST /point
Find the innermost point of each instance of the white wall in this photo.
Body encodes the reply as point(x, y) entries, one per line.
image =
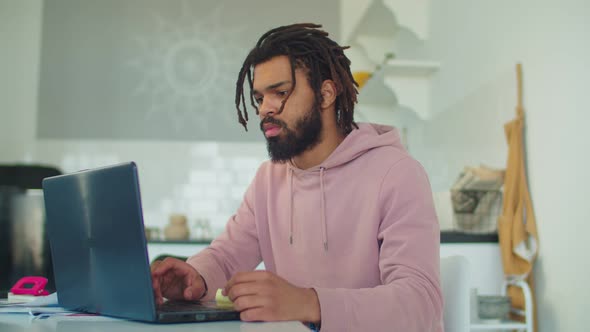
point(20, 24)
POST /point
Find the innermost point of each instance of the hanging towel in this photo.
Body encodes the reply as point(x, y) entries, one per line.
point(517, 230)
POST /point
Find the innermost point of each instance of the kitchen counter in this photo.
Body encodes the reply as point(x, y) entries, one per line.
point(445, 237)
point(460, 237)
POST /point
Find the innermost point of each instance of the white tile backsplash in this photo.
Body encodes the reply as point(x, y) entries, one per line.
point(203, 177)
point(206, 149)
point(237, 193)
point(204, 180)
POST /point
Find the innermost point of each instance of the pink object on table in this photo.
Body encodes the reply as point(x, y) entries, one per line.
point(30, 286)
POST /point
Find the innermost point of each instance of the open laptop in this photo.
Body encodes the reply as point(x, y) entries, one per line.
point(98, 246)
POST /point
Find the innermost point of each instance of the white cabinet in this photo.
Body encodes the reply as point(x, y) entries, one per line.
point(488, 278)
point(484, 261)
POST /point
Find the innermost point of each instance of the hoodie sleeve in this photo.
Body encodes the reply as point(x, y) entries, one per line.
point(409, 299)
point(235, 250)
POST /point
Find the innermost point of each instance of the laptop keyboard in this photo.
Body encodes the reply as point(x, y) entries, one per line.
point(175, 306)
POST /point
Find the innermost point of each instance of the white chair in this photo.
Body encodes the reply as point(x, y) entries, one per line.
point(527, 313)
point(455, 284)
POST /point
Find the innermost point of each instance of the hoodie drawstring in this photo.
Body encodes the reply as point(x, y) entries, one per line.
point(324, 226)
point(323, 208)
point(290, 206)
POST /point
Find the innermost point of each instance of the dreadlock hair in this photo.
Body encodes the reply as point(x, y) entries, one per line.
point(310, 48)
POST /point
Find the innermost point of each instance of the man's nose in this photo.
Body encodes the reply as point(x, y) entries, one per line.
point(267, 108)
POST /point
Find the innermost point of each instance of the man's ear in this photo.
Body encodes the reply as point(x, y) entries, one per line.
point(329, 94)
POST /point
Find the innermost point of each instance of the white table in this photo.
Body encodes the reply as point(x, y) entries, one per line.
point(25, 322)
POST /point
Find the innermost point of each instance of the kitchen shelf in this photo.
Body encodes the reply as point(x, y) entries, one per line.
point(413, 15)
point(445, 237)
point(404, 81)
point(400, 82)
point(410, 67)
point(460, 237)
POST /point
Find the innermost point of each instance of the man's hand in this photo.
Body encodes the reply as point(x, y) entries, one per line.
point(176, 280)
point(264, 296)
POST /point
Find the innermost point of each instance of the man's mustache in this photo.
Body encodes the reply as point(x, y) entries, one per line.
point(273, 121)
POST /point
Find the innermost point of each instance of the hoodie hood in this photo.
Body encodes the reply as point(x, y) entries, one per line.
point(367, 137)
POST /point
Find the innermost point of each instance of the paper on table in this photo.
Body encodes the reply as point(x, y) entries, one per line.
point(42, 306)
point(19, 309)
point(41, 301)
point(44, 301)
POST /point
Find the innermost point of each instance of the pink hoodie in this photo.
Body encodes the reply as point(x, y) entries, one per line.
point(360, 229)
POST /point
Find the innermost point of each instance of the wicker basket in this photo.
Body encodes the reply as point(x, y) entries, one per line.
point(476, 211)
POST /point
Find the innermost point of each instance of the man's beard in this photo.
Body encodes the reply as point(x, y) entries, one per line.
point(290, 143)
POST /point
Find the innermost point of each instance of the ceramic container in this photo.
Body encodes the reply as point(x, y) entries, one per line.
point(177, 228)
point(493, 307)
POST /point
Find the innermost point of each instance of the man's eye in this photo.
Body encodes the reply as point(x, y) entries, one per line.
point(282, 93)
point(258, 100)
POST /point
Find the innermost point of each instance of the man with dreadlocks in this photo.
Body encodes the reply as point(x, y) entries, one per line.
point(341, 215)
